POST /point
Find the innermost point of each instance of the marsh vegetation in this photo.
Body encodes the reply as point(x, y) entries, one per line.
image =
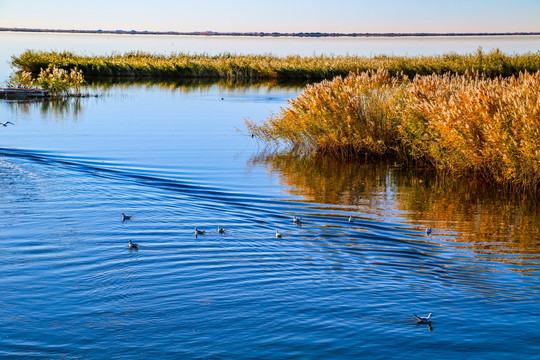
point(231, 66)
point(458, 124)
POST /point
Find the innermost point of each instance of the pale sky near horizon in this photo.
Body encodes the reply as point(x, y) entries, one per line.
point(278, 15)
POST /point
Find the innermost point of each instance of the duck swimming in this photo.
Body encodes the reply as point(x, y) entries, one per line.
point(423, 319)
point(132, 245)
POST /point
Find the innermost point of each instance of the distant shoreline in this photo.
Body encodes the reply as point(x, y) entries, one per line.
point(264, 34)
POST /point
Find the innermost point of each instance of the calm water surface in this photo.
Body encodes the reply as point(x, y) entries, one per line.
point(175, 157)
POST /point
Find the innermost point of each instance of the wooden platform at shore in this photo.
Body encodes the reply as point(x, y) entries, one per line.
point(23, 93)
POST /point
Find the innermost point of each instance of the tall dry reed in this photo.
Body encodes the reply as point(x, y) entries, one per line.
point(58, 81)
point(459, 124)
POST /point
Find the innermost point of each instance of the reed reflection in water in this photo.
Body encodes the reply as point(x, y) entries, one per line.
point(191, 84)
point(57, 108)
point(494, 225)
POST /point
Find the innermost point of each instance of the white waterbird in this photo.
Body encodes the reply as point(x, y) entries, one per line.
point(423, 319)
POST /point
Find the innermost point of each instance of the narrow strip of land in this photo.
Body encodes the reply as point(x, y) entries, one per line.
point(257, 67)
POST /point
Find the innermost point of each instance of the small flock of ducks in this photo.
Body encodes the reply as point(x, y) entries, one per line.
point(221, 230)
point(133, 246)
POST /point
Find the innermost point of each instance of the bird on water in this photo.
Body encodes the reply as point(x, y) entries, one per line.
point(199, 232)
point(296, 220)
point(428, 231)
point(126, 217)
point(220, 230)
point(278, 235)
point(423, 319)
point(351, 219)
point(132, 245)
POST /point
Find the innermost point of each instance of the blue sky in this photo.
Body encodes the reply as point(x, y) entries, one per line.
point(278, 15)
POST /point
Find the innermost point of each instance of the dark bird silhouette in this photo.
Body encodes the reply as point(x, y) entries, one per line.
point(133, 246)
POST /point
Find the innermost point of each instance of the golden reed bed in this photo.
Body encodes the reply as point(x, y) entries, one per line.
point(459, 124)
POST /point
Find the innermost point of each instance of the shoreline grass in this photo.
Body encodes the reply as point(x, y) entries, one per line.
point(460, 125)
point(243, 67)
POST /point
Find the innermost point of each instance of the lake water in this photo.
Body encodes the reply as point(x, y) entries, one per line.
point(177, 157)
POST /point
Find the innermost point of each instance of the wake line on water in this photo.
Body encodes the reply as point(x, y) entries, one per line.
point(251, 206)
point(116, 172)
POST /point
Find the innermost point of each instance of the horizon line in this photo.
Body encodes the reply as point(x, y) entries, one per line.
point(270, 34)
